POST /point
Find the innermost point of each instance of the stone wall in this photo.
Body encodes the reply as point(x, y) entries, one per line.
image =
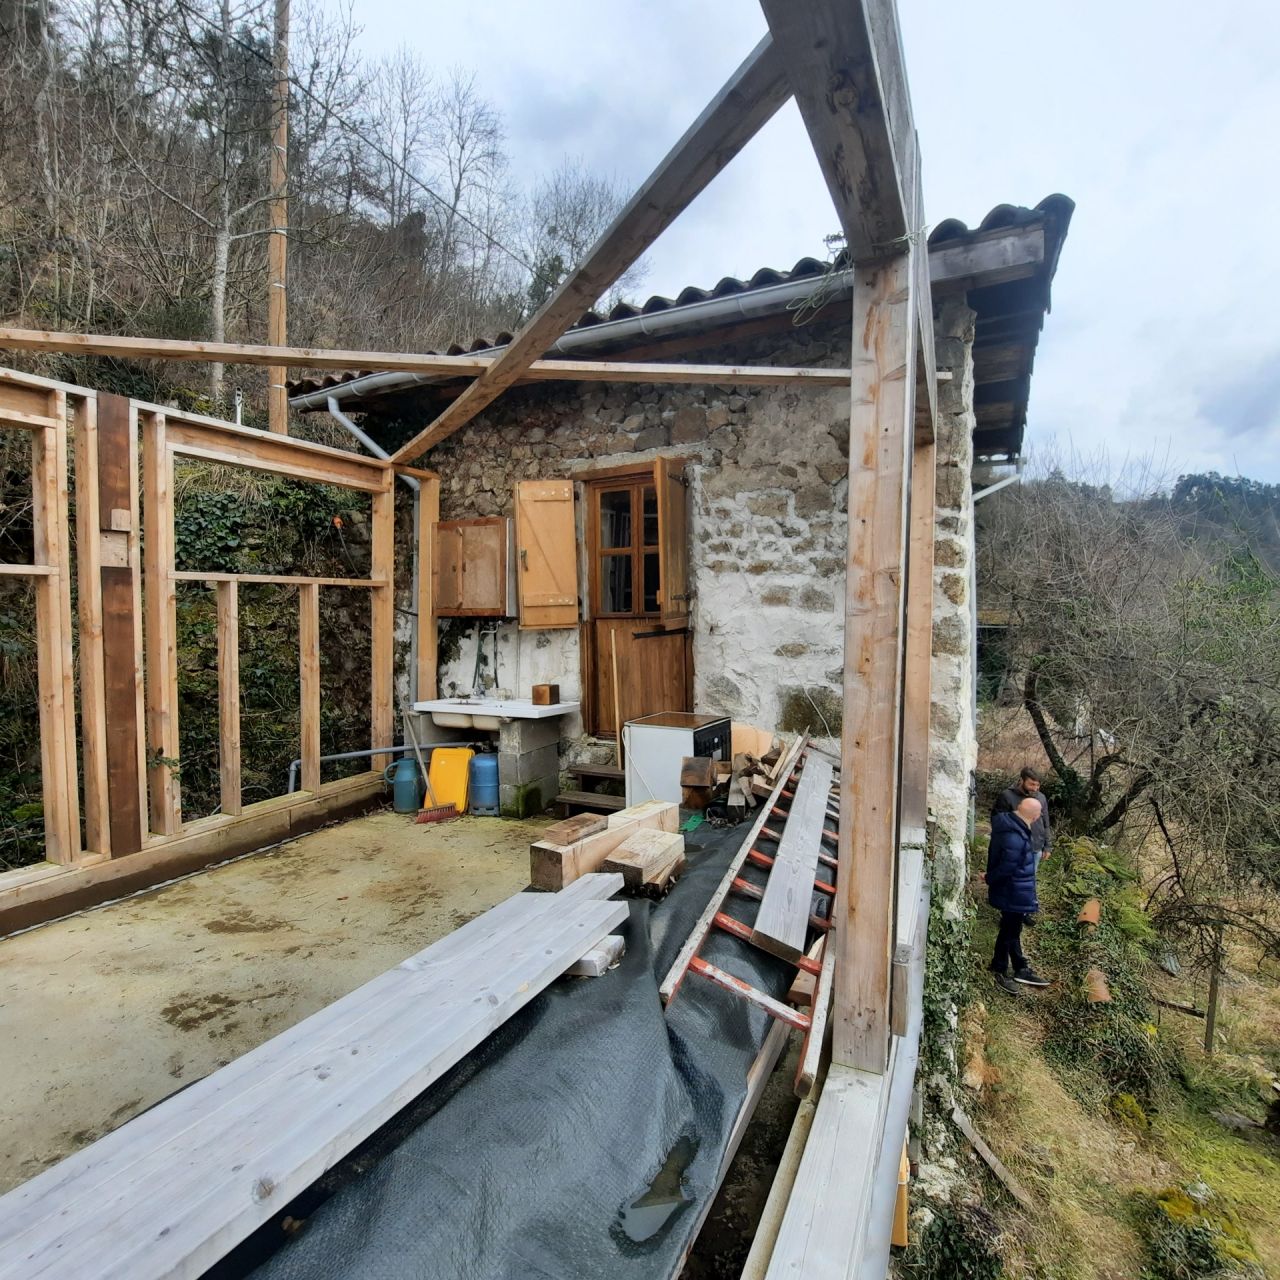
point(953, 747)
point(768, 479)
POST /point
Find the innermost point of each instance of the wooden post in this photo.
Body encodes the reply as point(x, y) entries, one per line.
point(428, 518)
point(309, 682)
point(916, 695)
point(89, 556)
point(54, 670)
point(880, 442)
point(121, 574)
point(278, 241)
point(228, 596)
point(382, 620)
point(161, 628)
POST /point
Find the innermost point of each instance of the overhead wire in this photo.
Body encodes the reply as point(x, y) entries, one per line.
point(255, 52)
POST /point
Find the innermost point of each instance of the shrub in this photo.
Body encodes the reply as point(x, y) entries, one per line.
point(1189, 1232)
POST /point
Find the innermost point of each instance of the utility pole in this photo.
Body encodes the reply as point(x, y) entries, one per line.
point(278, 241)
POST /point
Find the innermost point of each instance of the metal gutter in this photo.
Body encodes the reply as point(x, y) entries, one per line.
point(749, 304)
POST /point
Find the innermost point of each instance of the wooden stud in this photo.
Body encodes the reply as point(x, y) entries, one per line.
point(382, 619)
point(93, 706)
point(309, 682)
point(161, 628)
point(228, 596)
point(880, 436)
point(749, 100)
point(916, 695)
point(428, 630)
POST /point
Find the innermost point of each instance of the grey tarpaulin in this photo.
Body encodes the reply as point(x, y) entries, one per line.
point(518, 1163)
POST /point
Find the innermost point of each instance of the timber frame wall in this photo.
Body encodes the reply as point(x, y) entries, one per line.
point(126, 659)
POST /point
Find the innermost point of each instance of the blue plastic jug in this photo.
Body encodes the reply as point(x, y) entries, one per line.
point(406, 785)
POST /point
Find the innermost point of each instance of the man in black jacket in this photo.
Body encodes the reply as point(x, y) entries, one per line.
point(1012, 797)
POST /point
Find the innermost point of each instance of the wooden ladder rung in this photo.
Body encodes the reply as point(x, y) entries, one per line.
point(774, 1008)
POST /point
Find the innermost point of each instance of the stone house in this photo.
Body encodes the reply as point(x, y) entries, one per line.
point(765, 476)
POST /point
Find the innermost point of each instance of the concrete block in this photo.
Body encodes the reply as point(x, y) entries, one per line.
point(528, 765)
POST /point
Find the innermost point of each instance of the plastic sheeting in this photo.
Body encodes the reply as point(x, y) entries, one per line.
point(526, 1160)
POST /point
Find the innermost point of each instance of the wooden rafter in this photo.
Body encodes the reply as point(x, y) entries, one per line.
point(471, 366)
point(749, 100)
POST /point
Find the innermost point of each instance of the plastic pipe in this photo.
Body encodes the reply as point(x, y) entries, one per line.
point(402, 749)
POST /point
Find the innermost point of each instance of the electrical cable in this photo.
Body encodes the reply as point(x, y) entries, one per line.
point(373, 146)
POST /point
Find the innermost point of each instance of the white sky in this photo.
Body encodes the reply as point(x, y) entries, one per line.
point(1157, 119)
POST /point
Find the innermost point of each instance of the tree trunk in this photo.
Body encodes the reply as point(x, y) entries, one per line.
point(218, 290)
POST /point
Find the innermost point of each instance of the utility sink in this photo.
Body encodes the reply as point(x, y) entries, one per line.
point(489, 713)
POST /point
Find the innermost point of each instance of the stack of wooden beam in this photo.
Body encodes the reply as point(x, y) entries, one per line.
point(580, 845)
point(648, 860)
point(172, 1191)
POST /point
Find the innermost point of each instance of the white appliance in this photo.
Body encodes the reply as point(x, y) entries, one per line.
point(655, 748)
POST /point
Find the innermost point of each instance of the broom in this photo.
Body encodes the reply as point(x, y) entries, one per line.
point(435, 812)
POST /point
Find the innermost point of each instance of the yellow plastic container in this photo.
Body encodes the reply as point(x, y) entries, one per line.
point(450, 771)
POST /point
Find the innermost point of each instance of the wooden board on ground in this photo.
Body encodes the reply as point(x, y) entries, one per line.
point(643, 854)
point(199, 1172)
point(782, 923)
point(552, 867)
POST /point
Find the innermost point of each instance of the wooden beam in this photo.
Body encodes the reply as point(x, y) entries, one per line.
point(880, 441)
point(428, 631)
point(273, 579)
point(93, 678)
point(919, 660)
point(845, 65)
point(161, 628)
point(229, 695)
point(469, 366)
point(749, 100)
point(54, 669)
point(1009, 253)
point(121, 574)
point(309, 683)
point(382, 620)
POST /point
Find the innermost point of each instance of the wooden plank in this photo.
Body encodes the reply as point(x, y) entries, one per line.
point(824, 1227)
point(919, 658)
point(679, 966)
point(467, 366)
point(309, 683)
point(749, 100)
point(880, 440)
point(846, 68)
point(229, 696)
point(546, 559)
point(814, 1048)
point(26, 570)
point(161, 628)
point(566, 833)
point(993, 1162)
point(382, 620)
point(553, 867)
point(224, 1163)
point(1009, 253)
point(54, 669)
point(117, 506)
point(276, 579)
point(782, 923)
point(673, 540)
point(661, 814)
point(428, 628)
point(93, 707)
point(643, 853)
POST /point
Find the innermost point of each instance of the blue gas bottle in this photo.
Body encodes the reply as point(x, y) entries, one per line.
point(406, 785)
point(484, 785)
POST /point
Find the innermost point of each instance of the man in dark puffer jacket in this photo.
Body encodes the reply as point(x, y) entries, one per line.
point(1011, 889)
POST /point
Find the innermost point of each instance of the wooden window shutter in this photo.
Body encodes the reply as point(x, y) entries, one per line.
point(673, 541)
point(547, 554)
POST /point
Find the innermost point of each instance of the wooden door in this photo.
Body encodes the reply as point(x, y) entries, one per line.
point(638, 594)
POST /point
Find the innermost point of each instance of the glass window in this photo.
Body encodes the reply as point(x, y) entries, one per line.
point(615, 518)
point(615, 584)
point(651, 581)
point(650, 518)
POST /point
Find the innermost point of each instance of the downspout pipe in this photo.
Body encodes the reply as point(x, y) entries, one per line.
point(749, 305)
point(335, 412)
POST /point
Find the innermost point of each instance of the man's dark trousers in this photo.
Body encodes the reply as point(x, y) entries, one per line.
point(1009, 943)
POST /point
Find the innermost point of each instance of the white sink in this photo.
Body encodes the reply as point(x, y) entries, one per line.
point(489, 713)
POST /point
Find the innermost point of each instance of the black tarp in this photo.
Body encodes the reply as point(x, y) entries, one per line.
point(520, 1162)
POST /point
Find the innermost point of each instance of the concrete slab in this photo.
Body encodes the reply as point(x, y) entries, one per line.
point(106, 1013)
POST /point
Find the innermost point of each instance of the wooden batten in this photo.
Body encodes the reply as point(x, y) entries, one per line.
point(917, 678)
point(382, 619)
point(228, 595)
point(161, 676)
point(309, 682)
point(428, 630)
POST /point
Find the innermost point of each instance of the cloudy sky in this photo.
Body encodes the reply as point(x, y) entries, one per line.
point(1157, 119)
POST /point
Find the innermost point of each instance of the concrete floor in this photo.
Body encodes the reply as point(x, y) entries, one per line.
point(104, 1014)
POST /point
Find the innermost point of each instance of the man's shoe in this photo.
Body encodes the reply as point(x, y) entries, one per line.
point(1006, 983)
point(1030, 978)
